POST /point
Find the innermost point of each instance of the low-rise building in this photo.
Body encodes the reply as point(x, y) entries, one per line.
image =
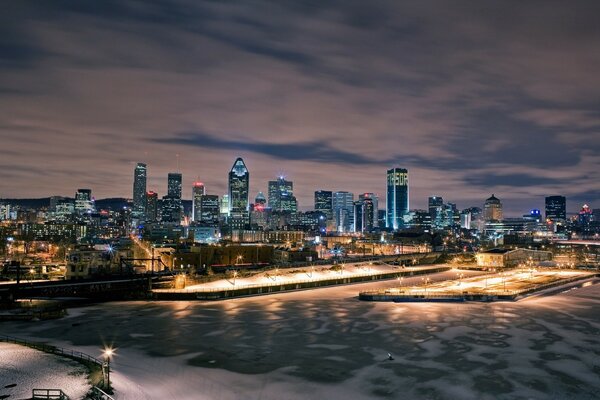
point(504, 258)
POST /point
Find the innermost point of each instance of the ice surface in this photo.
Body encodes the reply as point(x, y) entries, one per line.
point(28, 369)
point(326, 344)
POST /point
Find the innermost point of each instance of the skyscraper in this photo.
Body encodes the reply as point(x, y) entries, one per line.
point(436, 211)
point(397, 197)
point(151, 206)
point(373, 209)
point(343, 211)
point(174, 185)
point(556, 208)
point(364, 215)
point(492, 209)
point(197, 193)
point(209, 209)
point(139, 190)
point(171, 203)
point(84, 203)
point(324, 203)
point(239, 185)
point(280, 191)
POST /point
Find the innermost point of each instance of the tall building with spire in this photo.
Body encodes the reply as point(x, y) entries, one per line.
point(397, 197)
point(139, 190)
point(239, 188)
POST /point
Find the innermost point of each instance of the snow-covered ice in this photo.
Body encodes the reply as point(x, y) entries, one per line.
point(326, 344)
point(23, 369)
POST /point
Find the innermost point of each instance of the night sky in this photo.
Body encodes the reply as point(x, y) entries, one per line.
point(472, 97)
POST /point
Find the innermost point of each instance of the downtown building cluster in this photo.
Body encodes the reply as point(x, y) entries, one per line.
point(235, 216)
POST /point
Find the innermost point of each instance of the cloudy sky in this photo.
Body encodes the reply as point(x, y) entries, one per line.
point(473, 97)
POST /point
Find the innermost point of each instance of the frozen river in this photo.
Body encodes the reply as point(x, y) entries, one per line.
point(325, 344)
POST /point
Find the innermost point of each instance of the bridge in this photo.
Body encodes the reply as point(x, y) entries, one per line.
point(113, 288)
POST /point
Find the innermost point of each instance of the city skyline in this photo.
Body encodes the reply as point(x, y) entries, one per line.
point(472, 100)
point(422, 204)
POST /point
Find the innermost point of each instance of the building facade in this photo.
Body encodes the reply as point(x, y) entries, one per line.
point(397, 197)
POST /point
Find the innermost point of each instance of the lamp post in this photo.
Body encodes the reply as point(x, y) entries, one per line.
point(234, 276)
point(108, 353)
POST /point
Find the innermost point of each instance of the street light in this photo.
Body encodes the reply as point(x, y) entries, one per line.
point(107, 353)
point(234, 276)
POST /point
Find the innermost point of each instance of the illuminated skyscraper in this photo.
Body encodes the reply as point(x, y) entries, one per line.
point(556, 208)
point(84, 202)
point(436, 211)
point(171, 203)
point(139, 190)
point(209, 209)
point(277, 190)
point(397, 197)
point(151, 206)
point(492, 209)
point(174, 185)
point(239, 185)
point(343, 211)
point(197, 193)
point(324, 203)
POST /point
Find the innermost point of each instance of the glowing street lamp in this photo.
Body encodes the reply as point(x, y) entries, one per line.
point(234, 276)
point(108, 354)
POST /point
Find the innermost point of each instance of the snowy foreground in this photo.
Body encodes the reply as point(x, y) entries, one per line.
point(27, 369)
point(326, 344)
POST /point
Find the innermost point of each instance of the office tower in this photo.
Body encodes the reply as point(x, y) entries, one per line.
point(357, 224)
point(436, 208)
point(556, 208)
point(171, 208)
point(239, 185)
point(585, 216)
point(397, 197)
point(324, 203)
point(84, 203)
point(492, 209)
point(373, 209)
point(224, 205)
point(381, 218)
point(343, 211)
point(151, 206)
point(260, 200)
point(139, 190)
point(364, 216)
point(197, 193)
point(278, 190)
point(421, 219)
point(209, 209)
point(288, 203)
point(174, 185)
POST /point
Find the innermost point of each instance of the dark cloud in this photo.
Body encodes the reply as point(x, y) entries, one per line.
point(473, 98)
point(306, 151)
point(486, 180)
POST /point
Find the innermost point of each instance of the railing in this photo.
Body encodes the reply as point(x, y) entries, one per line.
point(52, 349)
point(49, 394)
point(99, 394)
